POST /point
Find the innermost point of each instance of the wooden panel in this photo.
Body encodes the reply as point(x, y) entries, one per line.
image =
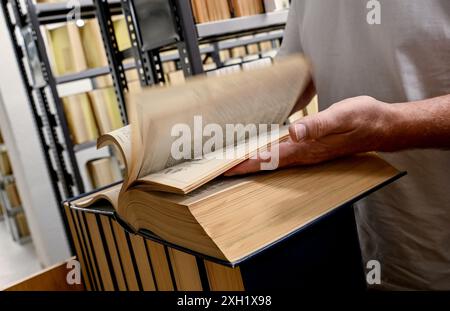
point(50, 279)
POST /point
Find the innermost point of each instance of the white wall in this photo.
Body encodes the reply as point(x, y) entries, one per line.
point(27, 159)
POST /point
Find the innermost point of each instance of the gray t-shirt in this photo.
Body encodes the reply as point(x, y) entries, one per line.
point(406, 225)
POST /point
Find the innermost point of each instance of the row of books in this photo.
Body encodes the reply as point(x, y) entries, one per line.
point(75, 48)
point(11, 194)
point(114, 259)
point(249, 49)
point(96, 112)
point(212, 10)
point(92, 114)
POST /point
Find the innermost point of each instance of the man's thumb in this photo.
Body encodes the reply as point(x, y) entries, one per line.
point(308, 128)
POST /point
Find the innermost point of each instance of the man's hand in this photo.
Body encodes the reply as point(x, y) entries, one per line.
point(351, 126)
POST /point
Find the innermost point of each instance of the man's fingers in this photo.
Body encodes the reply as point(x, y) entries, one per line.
point(286, 154)
point(246, 167)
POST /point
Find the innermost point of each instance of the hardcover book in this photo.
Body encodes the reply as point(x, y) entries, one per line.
point(188, 203)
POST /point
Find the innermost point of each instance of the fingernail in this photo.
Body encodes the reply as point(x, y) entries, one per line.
point(265, 155)
point(300, 131)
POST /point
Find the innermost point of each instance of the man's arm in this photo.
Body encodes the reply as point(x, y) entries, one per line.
point(362, 124)
point(421, 124)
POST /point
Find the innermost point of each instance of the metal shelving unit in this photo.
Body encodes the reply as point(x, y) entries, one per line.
point(44, 89)
point(9, 212)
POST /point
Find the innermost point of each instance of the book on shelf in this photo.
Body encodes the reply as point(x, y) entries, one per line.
point(200, 11)
point(106, 109)
point(169, 66)
point(5, 164)
point(224, 55)
point(218, 10)
point(176, 77)
point(121, 32)
point(188, 203)
point(134, 87)
point(265, 46)
point(247, 7)
point(132, 74)
point(102, 81)
point(253, 48)
point(213, 10)
point(239, 51)
point(92, 43)
point(66, 48)
point(80, 118)
point(12, 194)
point(22, 225)
point(103, 172)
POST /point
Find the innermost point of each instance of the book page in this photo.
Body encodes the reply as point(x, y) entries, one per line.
point(120, 138)
point(110, 194)
point(190, 175)
point(261, 96)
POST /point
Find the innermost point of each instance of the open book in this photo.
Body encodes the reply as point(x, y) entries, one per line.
point(173, 186)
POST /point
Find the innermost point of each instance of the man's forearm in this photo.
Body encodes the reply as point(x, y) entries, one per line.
point(421, 124)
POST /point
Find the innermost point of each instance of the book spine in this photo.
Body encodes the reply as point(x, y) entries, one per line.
point(143, 263)
point(113, 259)
point(96, 279)
point(105, 269)
point(111, 245)
point(80, 250)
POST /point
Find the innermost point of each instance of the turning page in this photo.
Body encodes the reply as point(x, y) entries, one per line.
point(203, 107)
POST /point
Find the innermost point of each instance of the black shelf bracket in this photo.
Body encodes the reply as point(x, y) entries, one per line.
point(148, 63)
point(188, 47)
point(115, 59)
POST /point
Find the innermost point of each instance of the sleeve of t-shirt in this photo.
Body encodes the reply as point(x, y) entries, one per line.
point(291, 38)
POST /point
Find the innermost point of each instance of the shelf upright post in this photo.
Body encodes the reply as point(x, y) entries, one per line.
point(148, 63)
point(215, 55)
point(188, 47)
point(58, 120)
point(115, 58)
